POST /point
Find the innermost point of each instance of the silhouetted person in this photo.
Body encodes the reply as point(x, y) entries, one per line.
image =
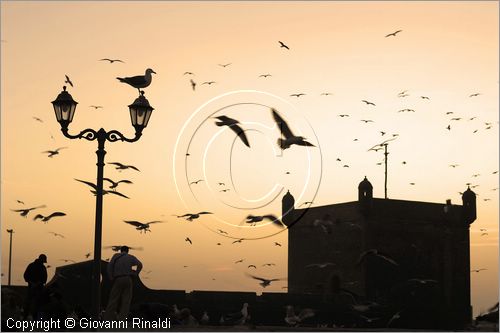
point(36, 277)
point(120, 272)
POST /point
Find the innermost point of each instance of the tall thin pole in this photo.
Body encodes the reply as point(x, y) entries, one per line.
point(96, 283)
point(385, 181)
point(10, 231)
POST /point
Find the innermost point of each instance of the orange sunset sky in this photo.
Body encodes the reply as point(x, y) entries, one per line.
point(446, 51)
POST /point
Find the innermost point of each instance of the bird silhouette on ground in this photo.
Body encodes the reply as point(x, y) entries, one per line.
point(236, 318)
point(283, 45)
point(25, 211)
point(53, 152)
point(68, 81)
point(393, 33)
point(293, 319)
point(139, 81)
point(111, 60)
point(233, 124)
point(263, 281)
point(142, 227)
point(289, 138)
point(104, 192)
point(119, 166)
point(190, 217)
point(46, 219)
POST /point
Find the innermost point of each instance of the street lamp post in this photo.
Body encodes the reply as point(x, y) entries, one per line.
point(140, 112)
point(10, 231)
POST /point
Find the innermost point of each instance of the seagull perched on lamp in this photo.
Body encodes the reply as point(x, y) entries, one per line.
point(139, 81)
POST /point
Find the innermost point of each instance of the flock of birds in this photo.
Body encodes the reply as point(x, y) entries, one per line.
point(286, 140)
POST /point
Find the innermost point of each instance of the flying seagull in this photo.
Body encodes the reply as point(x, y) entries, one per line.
point(474, 95)
point(96, 106)
point(38, 119)
point(117, 248)
point(142, 227)
point(196, 182)
point(139, 81)
point(189, 240)
point(25, 211)
point(393, 33)
point(367, 102)
point(322, 265)
point(56, 234)
point(21, 202)
point(277, 244)
point(375, 253)
point(283, 45)
point(111, 60)
point(188, 73)
point(233, 125)
point(224, 65)
point(265, 75)
point(264, 282)
point(114, 184)
point(53, 152)
point(68, 81)
point(255, 219)
point(47, 218)
point(191, 217)
point(120, 166)
point(297, 95)
point(209, 82)
point(290, 139)
point(193, 84)
point(104, 192)
point(478, 270)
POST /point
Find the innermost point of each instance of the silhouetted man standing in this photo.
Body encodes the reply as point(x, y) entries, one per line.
point(36, 276)
point(120, 272)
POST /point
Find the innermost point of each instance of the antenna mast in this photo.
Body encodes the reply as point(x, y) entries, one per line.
point(385, 162)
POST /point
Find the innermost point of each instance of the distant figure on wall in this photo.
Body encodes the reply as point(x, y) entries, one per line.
point(120, 272)
point(36, 277)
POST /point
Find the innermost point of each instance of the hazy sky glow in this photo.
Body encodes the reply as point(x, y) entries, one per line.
point(445, 51)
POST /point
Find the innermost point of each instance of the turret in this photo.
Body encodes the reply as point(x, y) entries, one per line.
point(469, 206)
point(365, 196)
point(287, 208)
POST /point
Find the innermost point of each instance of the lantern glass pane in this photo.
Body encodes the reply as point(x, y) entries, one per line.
point(148, 115)
point(57, 110)
point(133, 116)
